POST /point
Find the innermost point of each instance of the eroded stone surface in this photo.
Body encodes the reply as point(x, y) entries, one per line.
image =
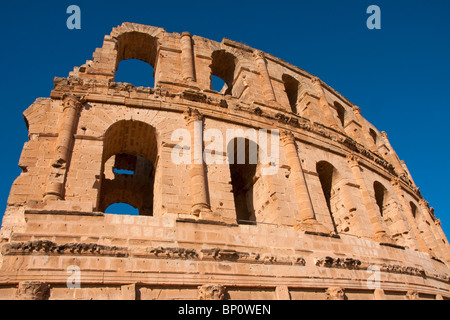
point(339, 207)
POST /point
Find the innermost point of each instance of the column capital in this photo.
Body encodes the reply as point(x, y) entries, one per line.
point(212, 292)
point(396, 183)
point(356, 110)
point(258, 54)
point(353, 160)
point(287, 137)
point(424, 203)
point(186, 34)
point(191, 115)
point(72, 101)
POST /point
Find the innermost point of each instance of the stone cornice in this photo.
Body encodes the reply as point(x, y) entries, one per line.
point(49, 248)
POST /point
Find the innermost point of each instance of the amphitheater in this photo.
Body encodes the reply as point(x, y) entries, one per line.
point(335, 215)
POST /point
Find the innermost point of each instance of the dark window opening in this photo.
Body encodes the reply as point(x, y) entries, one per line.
point(380, 196)
point(340, 112)
point(243, 170)
point(413, 209)
point(291, 86)
point(326, 173)
point(223, 66)
point(373, 134)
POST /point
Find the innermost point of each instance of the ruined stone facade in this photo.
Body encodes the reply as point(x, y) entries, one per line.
point(341, 217)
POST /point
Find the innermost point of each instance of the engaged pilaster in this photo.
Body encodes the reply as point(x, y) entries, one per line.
point(416, 240)
point(187, 57)
point(55, 183)
point(199, 192)
point(329, 118)
point(265, 77)
point(307, 219)
point(437, 245)
point(374, 215)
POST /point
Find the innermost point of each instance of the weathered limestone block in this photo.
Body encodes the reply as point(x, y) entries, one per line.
point(33, 290)
point(212, 292)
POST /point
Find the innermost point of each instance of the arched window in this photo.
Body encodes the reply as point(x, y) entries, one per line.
point(223, 66)
point(291, 86)
point(413, 209)
point(128, 166)
point(328, 176)
point(380, 196)
point(340, 112)
point(373, 134)
point(242, 156)
point(137, 46)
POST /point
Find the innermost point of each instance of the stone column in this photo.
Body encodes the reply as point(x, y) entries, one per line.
point(371, 207)
point(365, 137)
point(265, 77)
point(307, 219)
point(416, 239)
point(329, 117)
point(187, 57)
point(436, 242)
point(443, 238)
point(55, 183)
point(392, 156)
point(199, 192)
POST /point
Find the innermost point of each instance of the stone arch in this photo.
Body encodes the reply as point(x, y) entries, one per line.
point(340, 113)
point(374, 136)
point(128, 166)
point(413, 208)
point(381, 197)
point(291, 87)
point(137, 45)
point(223, 66)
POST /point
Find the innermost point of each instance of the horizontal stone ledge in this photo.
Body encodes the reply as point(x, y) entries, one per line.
point(64, 212)
point(204, 221)
point(323, 234)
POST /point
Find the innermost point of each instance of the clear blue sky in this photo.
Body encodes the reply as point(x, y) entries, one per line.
point(398, 75)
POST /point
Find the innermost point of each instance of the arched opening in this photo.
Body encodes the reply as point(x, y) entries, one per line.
point(328, 176)
point(122, 209)
point(413, 209)
point(291, 87)
point(373, 134)
point(340, 112)
point(136, 46)
point(223, 66)
point(128, 166)
point(380, 196)
point(136, 72)
point(242, 156)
